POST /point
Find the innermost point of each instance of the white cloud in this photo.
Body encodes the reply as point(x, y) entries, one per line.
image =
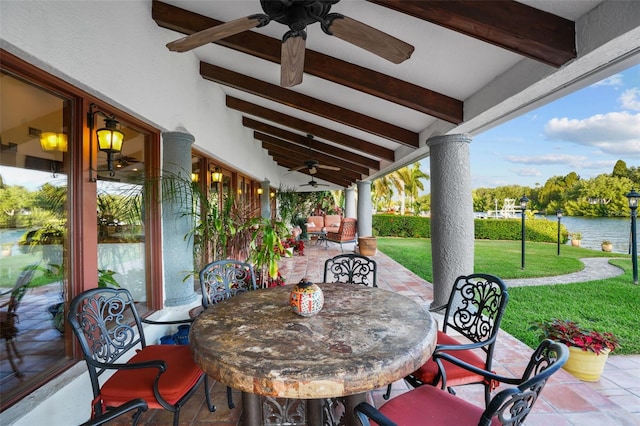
point(630, 99)
point(527, 172)
point(615, 133)
point(614, 80)
point(549, 159)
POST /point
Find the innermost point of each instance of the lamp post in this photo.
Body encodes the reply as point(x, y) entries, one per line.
point(559, 216)
point(523, 206)
point(633, 205)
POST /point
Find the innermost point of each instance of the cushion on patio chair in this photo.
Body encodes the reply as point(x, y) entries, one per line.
point(430, 405)
point(181, 375)
point(430, 373)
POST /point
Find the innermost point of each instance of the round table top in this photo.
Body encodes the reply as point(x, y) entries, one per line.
point(364, 338)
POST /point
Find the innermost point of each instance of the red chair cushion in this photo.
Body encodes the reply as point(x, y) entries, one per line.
point(181, 375)
point(428, 405)
point(455, 375)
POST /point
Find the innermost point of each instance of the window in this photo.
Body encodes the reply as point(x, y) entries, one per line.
point(34, 212)
point(60, 231)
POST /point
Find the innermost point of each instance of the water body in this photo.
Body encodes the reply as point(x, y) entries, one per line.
point(594, 230)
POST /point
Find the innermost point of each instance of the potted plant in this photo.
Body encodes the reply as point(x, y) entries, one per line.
point(589, 349)
point(606, 246)
point(576, 239)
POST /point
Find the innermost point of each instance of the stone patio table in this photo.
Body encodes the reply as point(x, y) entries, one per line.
point(363, 339)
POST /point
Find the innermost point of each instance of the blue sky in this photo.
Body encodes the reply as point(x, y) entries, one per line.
point(586, 132)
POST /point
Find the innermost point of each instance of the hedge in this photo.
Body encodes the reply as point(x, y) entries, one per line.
point(537, 230)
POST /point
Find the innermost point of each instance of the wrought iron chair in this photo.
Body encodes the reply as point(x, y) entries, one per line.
point(352, 269)
point(431, 405)
point(346, 233)
point(474, 310)
point(225, 278)
point(221, 280)
point(9, 317)
point(108, 327)
point(137, 404)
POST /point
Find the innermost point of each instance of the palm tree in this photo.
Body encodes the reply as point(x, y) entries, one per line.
point(415, 183)
point(382, 192)
point(408, 179)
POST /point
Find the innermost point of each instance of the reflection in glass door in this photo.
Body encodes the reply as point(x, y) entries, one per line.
point(35, 138)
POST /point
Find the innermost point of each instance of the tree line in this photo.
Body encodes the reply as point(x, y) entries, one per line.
point(600, 196)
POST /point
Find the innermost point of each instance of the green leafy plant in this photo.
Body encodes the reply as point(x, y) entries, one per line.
point(576, 236)
point(266, 246)
point(106, 279)
point(571, 334)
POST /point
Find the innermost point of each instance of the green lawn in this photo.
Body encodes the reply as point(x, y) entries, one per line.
point(611, 305)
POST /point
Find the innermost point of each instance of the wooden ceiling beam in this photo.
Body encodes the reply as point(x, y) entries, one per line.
point(308, 104)
point(311, 145)
point(275, 144)
point(310, 128)
point(511, 25)
point(327, 67)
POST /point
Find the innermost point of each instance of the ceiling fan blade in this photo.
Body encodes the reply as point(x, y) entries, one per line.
point(217, 33)
point(322, 166)
point(295, 169)
point(292, 61)
point(370, 39)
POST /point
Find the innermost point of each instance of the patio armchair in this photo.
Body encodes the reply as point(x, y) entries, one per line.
point(109, 329)
point(346, 232)
point(352, 269)
point(221, 280)
point(9, 316)
point(474, 311)
point(432, 405)
point(137, 404)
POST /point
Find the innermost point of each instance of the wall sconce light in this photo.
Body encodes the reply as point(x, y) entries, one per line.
point(50, 141)
point(216, 175)
point(259, 191)
point(272, 194)
point(110, 139)
point(194, 177)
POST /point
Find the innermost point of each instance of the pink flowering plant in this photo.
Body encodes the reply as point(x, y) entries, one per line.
point(571, 334)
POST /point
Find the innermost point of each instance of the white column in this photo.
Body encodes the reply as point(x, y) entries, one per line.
point(364, 209)
point(177, 251)
point(350, 202)
point(452, 230)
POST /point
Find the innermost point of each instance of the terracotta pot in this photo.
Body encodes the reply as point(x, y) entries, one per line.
point(367, 245)
point(586, 365)
point(607, 247)
point(576, 243)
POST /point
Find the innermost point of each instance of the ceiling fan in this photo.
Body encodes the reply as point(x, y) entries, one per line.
point(313, 166)
point(313, 184)
point(297, 14)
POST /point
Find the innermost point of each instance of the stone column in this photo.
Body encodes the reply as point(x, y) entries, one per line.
point(364, 209)
point(177, 252)
point(265, 200)
point(350, 202)
point(452, 231)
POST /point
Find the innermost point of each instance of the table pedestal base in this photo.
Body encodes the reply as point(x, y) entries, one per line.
point(267, 411)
